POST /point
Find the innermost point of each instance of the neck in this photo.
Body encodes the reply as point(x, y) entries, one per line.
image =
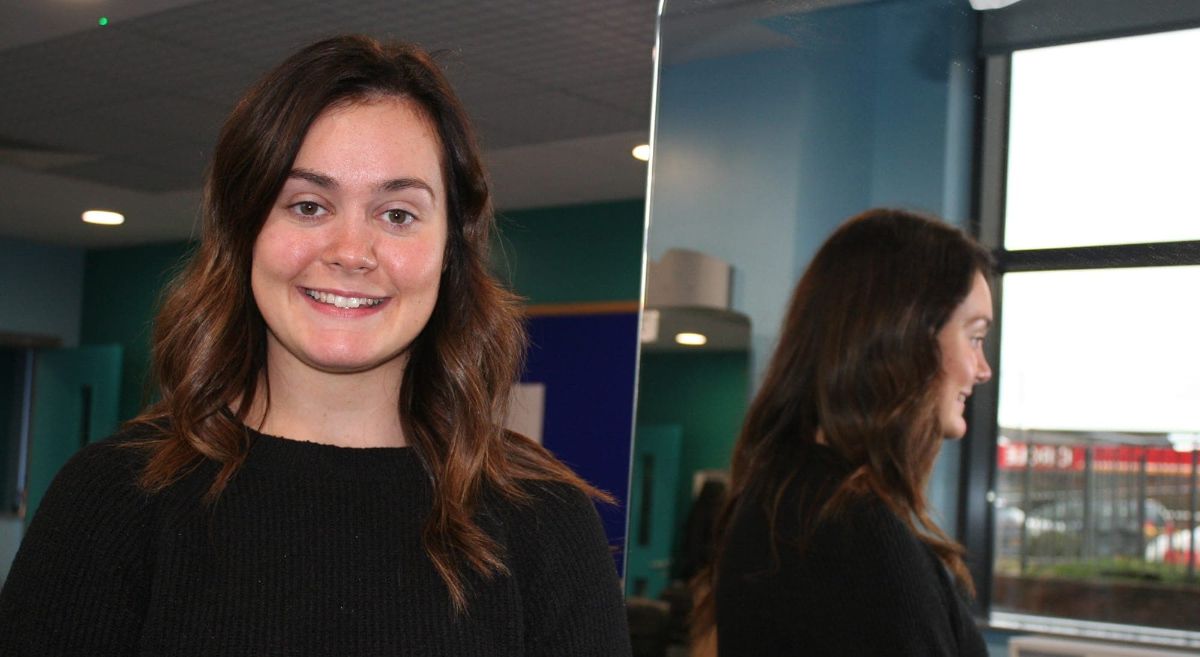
point(347, 409)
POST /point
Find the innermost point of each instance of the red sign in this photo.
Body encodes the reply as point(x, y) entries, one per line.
point(1072, 458)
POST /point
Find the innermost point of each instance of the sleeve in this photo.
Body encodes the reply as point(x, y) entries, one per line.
point(79, 582)
point(572, 602)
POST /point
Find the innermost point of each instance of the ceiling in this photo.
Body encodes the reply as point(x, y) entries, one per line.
point(124, 116)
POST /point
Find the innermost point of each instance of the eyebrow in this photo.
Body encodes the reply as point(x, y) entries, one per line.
point(394, 185)
point(987, 322)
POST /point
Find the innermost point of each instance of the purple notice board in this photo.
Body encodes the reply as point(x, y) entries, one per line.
point(587, 363)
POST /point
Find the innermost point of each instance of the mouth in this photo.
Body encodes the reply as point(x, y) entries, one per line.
point(962, 397)
point(339, 301)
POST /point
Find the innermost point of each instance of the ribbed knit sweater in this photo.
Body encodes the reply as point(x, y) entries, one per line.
point(862, 586)
point(311, 550)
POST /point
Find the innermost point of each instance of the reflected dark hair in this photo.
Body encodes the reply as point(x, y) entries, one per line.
point(209, 339)
point(858, 358)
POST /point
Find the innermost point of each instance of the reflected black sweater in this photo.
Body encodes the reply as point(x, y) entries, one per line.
point(311, 550)
point(863, 586)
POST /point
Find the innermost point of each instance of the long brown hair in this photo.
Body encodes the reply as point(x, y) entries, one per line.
point(209, 345)
point(858, 359)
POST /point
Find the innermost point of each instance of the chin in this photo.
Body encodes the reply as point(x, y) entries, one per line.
point(955, 430)
point(347, 363)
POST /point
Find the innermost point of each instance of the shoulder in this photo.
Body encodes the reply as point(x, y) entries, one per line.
point(80, 573)
point(554, 515)
point(111, 465)
point(870, 543)
point(555, 534)
point(97, 486)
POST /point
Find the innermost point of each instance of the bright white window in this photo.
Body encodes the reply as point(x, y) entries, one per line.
point(1104, 143)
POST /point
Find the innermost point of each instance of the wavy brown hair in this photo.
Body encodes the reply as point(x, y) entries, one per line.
point(858, 359)
point(209, 344)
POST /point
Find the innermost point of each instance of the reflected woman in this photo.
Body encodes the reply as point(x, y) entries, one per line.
point(326, 472)
point(827, 546)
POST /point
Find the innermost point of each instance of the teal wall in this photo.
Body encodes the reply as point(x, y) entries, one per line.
point(706, 395)
point(43, 287)
point(120, 296)
point(572, 254)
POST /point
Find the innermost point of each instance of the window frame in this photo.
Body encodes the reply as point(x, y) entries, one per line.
point(978, 468)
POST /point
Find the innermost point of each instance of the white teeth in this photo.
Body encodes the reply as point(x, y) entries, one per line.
point(342, 302)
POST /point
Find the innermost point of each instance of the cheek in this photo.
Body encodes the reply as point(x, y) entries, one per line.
point(417, 268)
point(959, 367)
point(279, 255)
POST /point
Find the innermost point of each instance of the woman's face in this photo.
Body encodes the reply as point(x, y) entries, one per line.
point(347, 265)
point(963, 363)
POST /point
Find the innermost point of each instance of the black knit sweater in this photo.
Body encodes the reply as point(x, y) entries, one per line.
point(311, 550)
point(862, 586)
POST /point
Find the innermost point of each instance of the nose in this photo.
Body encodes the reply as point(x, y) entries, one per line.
point(351, 246)
point(983, 373)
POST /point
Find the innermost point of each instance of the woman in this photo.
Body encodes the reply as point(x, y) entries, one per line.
point(827, 546)
point(325, 473)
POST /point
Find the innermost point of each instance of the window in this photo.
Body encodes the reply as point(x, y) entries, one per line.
point(1091, 436)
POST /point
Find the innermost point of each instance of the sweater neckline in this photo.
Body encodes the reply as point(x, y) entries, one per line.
point(307, 459)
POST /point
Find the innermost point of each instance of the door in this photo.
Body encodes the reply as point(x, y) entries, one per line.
point(76, 396)
point(652, 509)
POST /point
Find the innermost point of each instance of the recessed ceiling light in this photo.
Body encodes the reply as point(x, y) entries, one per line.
point(642, 152)
point(691, 339)
point(104, 217)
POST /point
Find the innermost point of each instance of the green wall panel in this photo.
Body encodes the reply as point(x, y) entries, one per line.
point(572, 254)
point(120, 296)
point(74, 403)
point(705, 394)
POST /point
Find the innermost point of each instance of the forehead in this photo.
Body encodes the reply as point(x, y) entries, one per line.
point(978, 302)
point(373, 131)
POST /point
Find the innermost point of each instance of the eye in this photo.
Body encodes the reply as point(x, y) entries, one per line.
point(308, 209)
point(398, 217)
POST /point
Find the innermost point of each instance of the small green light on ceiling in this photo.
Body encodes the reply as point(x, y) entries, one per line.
point(103, 21)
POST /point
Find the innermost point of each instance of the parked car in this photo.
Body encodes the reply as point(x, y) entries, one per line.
point(1057, 529)
point(1008, 528)
point(1173, 548)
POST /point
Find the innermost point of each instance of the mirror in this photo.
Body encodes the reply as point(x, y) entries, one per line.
point(775, 121)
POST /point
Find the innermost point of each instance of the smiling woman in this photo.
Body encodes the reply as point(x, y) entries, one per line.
point(326, 471)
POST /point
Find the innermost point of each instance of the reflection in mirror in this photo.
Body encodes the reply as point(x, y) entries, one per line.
point(776, 120)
